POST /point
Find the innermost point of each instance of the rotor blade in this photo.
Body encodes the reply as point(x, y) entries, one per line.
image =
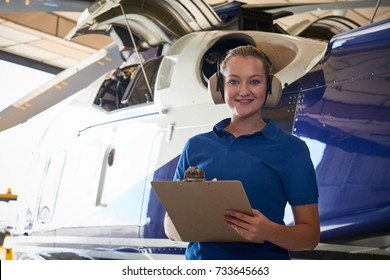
point(18, 6)
point(61, 87)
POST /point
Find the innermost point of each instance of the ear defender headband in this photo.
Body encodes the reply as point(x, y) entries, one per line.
point(219, 76)
point(220, 81)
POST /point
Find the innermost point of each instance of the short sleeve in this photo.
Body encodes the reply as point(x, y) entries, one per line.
point(182, 165)
point(299, 178)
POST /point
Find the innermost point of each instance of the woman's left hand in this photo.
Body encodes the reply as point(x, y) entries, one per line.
point(253, 228)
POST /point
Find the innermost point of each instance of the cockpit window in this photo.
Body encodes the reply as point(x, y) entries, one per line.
point(110, 94)
point(138, 89)
point(127, 86)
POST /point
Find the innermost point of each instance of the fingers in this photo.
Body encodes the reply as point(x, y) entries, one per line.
point(238, 226)
point(245, 225)
point(236, 221)
point(240, 222)
point(238, 215)
point(232, 215)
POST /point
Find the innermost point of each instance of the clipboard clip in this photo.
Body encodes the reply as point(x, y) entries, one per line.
point(194, 174)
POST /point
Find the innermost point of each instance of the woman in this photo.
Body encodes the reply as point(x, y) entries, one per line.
point(274, 167)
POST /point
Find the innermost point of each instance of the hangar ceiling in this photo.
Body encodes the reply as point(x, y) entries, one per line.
point(35, 38)
point(39, 36)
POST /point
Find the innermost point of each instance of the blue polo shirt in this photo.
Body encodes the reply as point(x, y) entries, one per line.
point(274, 168)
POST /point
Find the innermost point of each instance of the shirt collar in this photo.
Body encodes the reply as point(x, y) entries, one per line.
point(268, 132)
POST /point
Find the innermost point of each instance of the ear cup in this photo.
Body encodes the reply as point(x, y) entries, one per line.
point(269, 88)
point(213, 89)
point(269, 84)
point(220, 84)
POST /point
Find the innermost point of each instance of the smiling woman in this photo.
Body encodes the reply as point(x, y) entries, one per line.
point(266, 159)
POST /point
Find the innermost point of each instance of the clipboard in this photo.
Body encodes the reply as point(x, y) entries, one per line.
point(197, 208)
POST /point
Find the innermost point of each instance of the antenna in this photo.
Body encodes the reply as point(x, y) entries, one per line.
point(375, 11)
point(136, 50)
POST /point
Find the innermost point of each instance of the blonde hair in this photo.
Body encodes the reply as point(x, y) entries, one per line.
point(247, 50)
